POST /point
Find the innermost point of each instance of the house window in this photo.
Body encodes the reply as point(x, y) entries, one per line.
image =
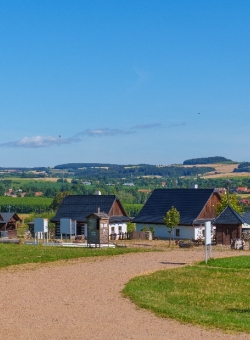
point(177, 232)
point(83, 230)
point(120, 228)
point(112, 230)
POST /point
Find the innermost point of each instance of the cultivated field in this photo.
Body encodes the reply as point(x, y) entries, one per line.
point(31, 179)
point(54, 179)
point(221, 170)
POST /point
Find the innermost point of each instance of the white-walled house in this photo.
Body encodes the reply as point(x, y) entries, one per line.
point(180, 232)
point(196, 206)
point(78, 207)
point(117, 227)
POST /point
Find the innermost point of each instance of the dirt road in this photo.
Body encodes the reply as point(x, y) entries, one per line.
point(81, 300)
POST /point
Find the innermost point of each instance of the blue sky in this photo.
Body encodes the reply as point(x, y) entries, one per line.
point(123, 82)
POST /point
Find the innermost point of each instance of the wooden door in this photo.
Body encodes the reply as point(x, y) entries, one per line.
point(227, 236)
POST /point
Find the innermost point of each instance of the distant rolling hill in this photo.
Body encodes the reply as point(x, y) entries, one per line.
point(207, 160)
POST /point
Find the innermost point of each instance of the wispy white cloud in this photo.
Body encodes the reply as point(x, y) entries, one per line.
point(173, 125)
point(39, 142)
point(157, 125)
point(49, 141)
point(146, 126)
point(103, 132)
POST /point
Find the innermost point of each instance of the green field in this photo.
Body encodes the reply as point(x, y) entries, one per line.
point(16, 254)
point(215, 295)
point(24, 204)
point(30, 180)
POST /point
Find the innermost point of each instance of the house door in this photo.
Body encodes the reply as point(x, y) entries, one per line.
point(79, 229)
point(227, 236)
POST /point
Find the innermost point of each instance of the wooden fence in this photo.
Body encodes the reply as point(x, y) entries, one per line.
point(134, 235)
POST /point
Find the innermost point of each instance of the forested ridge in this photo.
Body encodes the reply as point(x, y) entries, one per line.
point(243, 167)
point(117, 171)
point(207, 160)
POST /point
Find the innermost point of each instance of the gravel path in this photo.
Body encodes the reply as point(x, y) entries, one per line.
point(81, 300)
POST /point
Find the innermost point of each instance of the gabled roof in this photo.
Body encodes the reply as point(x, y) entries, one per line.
point(6, 217)
point(246, 217)
point(189, 203)
point(229, 216)
point(119, 219)
point(78, 207)
point(99, 216)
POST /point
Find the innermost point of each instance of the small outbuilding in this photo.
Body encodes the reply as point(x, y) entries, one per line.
point(9, 221)
point(98, 228)
point(228, 226)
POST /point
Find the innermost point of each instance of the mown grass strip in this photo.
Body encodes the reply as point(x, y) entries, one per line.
point(12, 254)
point(212, 297)
point(239, 262)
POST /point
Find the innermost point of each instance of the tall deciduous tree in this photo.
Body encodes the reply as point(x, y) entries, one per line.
point(58, 199)
point(171, 220)
point(231, 200)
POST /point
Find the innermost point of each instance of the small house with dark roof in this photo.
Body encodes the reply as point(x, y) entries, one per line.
point(196, 206)
point(79, 207)
point(9, 221)
point(228, 226)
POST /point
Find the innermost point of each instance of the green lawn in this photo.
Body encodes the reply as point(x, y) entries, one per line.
point(14, 254)
point(214, 295)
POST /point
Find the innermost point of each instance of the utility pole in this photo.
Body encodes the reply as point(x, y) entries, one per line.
point(227, 189)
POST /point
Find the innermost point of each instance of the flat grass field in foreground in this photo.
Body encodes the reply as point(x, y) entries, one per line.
point(215, 295)
point(15, 254)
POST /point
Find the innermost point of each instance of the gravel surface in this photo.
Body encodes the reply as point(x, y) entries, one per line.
point(82, 299)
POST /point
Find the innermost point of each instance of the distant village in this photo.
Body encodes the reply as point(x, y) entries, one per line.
point(242, 190)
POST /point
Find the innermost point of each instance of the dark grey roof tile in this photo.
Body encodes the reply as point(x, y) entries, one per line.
point(229, 216)
point(189, 203)
point(78, 207)
point(246, 217)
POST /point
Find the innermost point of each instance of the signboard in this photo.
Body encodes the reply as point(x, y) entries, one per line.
point(208, 239)
point(40, 225)
point(93, 232)
point(207, 233)
point(67, 226)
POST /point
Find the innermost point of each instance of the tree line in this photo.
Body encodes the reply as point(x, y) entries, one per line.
point(207, 160)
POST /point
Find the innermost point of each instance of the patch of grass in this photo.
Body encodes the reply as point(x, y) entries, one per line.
point(238, 262)
point(13, 254)
point(212, 297)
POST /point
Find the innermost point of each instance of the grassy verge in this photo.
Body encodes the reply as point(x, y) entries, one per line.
point(216, 295)
point(13, 254)
point(239, 262)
